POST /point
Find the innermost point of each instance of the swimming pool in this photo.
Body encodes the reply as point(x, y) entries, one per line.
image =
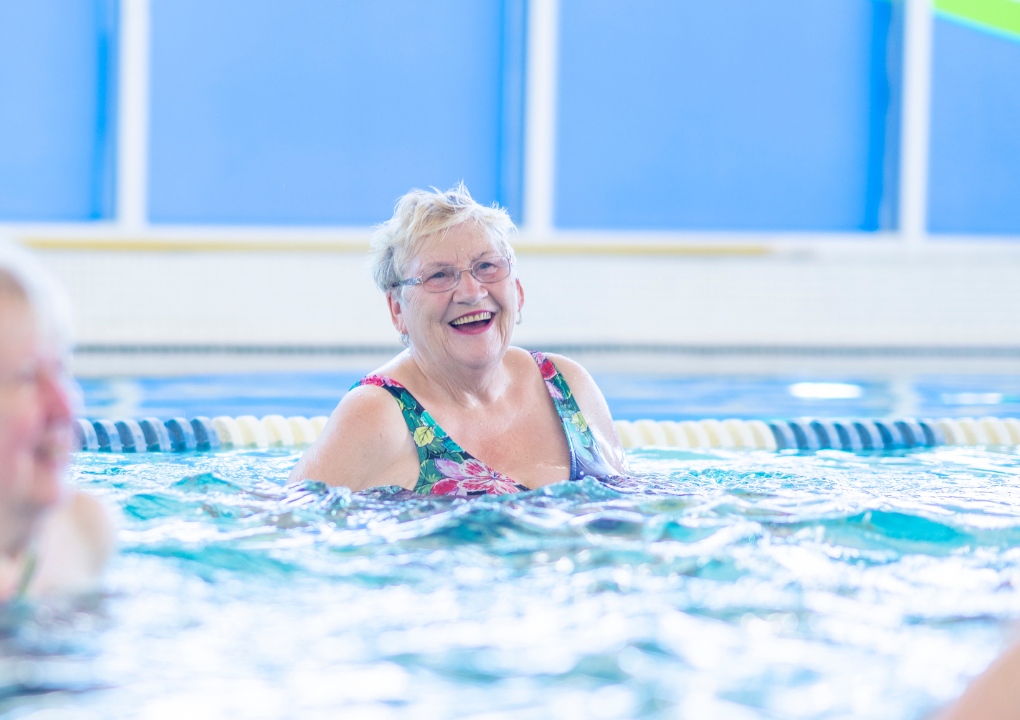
point(716, 584)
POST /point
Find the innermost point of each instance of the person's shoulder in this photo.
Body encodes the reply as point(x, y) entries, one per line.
point(565, 365)
point(368, 402)
point(77, 540)
point(367, 416)
point(92, 524)
point(364, 439)
point(572, 371)
point(91, 518)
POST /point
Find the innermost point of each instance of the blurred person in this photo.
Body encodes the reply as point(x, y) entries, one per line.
point(52, 540)
point(461, 412)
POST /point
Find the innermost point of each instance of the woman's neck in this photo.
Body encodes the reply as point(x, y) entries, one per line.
point(460, 384)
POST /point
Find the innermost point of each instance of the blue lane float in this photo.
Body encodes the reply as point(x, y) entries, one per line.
point(202, 434)
point(871, 439)
point(206, 437)
point(828, 436)
point(84, 437)
point(157, 439)
point(807, 438)
point(132, 439)
point(783, 434)
point(848, 435)
point(107, 436)
point(182, 435)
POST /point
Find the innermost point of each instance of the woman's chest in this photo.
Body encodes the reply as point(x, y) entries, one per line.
point(526, 444)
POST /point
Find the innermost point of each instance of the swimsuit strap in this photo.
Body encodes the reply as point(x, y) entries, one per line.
point(445, 467)
point(586, 458)
point(27, 573)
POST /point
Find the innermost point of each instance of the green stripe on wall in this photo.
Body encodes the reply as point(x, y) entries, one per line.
point(1001, 15)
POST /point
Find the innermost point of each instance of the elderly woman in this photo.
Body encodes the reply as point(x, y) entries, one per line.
point(51, 540)
point(461, 412)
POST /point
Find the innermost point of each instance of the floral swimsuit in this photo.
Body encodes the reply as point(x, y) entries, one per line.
point(446, 469)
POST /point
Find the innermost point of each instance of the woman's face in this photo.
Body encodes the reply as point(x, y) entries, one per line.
point(35, 415)
point(435, 323)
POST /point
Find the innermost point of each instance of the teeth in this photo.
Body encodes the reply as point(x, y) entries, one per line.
point(472, 318)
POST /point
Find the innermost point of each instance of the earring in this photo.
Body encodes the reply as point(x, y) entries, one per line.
point(405, 340)
point(520, 317)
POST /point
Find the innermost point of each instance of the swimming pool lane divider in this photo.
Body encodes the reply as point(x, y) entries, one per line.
point(810, 434)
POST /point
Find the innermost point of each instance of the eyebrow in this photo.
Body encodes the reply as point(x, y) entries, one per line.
point(474, 259)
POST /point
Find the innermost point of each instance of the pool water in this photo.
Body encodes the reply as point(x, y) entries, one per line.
point(710, 585)
point(631, 396)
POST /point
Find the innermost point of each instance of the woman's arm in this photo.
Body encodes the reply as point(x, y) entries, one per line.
point(594, 408)
point(364, 444)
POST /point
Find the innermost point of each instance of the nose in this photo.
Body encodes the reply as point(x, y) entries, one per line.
point(469, 289)
point(54, 395)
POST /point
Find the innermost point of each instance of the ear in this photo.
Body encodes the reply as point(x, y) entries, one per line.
point(396, 310)
point(520, 295)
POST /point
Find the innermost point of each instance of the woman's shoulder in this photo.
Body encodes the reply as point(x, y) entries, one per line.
point(364, 443)
point(368, 414)
point(572, 371)
point(368, 407)
point(592, 404)
point(75, 541)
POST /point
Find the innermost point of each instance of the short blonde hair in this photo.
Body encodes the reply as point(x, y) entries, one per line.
point(420, 214)
point(23, 279)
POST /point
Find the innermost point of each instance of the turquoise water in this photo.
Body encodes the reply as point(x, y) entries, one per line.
point(711, 585)
point(630, 396)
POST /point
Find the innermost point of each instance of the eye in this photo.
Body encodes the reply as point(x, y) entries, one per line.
point(437, 275)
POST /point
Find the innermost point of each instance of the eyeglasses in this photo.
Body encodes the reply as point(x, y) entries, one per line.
point(440, 278)
point(32, 375)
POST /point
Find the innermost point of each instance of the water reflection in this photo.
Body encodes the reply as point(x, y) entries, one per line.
point(712, 584)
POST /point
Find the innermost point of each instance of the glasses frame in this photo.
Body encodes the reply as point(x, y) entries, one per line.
point(409, 282)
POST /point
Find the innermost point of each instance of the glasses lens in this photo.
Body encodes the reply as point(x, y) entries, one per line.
point(440, 278)
point(444, 277)
point(491, 269)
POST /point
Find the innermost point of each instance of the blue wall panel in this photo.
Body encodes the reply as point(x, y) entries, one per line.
point(325, 111)
point(727, 115)
point(974, 164)
point(56, 141)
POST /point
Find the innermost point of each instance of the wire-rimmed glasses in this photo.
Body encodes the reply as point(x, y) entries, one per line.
point(440, 278)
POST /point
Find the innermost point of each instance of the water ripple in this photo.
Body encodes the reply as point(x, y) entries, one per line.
point(709, 584)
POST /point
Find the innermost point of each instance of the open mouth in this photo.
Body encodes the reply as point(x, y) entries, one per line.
point(473, 323)
point(48, 453)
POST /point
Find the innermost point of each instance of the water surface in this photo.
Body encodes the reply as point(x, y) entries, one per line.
point(712, 585)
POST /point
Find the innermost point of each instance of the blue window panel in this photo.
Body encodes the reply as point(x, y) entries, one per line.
point(728, 115)
point(974, 184)
point(326, 111)
point(56, 112)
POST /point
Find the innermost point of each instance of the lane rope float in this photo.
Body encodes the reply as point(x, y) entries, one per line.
point(203, 434)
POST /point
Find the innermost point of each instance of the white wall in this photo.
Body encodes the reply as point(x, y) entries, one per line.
point(817, 294)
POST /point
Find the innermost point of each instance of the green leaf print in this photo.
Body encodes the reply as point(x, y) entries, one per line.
point(429, 476)
point(424, 435)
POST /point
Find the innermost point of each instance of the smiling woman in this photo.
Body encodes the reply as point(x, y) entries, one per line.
point(521, 420)
point(51, 540)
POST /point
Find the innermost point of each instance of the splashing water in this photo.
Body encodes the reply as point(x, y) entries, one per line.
point(709, 585)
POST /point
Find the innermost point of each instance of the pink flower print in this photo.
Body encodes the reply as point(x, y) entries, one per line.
point(445, 487)
point(548, 371)
point(471, 476)
point(547, 368)
point(381, 381)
